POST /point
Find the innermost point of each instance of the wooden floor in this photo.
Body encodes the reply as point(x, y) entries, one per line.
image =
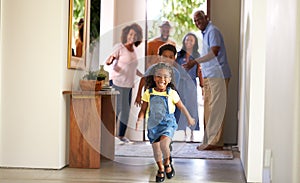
point(133, 170)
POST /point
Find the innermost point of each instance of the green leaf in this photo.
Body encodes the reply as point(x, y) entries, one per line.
point(179, 12)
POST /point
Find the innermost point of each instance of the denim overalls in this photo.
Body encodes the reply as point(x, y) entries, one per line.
point(160, 121)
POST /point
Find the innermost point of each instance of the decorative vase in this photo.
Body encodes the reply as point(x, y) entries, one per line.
point(103, 75)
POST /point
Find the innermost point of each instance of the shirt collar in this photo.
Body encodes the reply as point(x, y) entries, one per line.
point(206, 28)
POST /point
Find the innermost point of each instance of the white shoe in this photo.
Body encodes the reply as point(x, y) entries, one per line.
point(118, 141)
point(126, 140)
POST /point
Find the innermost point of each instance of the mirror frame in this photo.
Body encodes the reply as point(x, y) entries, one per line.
point(72, 61)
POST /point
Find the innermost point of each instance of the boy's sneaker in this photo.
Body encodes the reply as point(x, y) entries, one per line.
point(118, 141)
point(126, 140)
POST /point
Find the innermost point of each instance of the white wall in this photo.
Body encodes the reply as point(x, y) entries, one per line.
point(252, 90)
point(0, 78)
point(281, 123)
point(256, 91)
point(230, 31)
point(269, 88)
point(33, 76)
point(106, 27)
point(245, 51)
point(296, 150)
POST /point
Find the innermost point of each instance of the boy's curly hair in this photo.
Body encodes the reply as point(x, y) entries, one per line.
point(167, 46)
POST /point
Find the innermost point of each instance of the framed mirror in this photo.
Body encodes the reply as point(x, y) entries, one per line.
point(78, 37)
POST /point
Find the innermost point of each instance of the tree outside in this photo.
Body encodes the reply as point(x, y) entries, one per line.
point(179, 13)
point(78, 12)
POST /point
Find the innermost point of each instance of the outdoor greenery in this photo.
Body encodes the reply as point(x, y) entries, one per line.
point(179, 13)
point(78, 12)
point(95, 20)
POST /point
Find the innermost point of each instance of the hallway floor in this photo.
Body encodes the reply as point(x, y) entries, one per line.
point(130, 170)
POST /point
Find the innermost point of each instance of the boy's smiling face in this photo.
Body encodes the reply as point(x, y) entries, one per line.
point(168, 57)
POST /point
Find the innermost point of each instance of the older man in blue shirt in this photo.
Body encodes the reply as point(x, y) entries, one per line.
point(216, 74)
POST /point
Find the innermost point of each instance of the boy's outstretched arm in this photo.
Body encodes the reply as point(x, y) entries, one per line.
point(182, 108)
point(138, 99)
point(141, 114)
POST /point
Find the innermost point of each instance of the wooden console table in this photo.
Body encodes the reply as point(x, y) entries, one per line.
point(92, 127)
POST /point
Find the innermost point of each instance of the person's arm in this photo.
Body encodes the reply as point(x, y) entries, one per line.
point(209, 56)
point(141, 114)
point(138, 99)
point(199, 74)
point(110, 60)
point(182, 108)
point(78, 48)
point(139, 73)
point(114, 55)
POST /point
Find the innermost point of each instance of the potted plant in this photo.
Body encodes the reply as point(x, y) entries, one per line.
point(92, 81)
point(101, 77)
